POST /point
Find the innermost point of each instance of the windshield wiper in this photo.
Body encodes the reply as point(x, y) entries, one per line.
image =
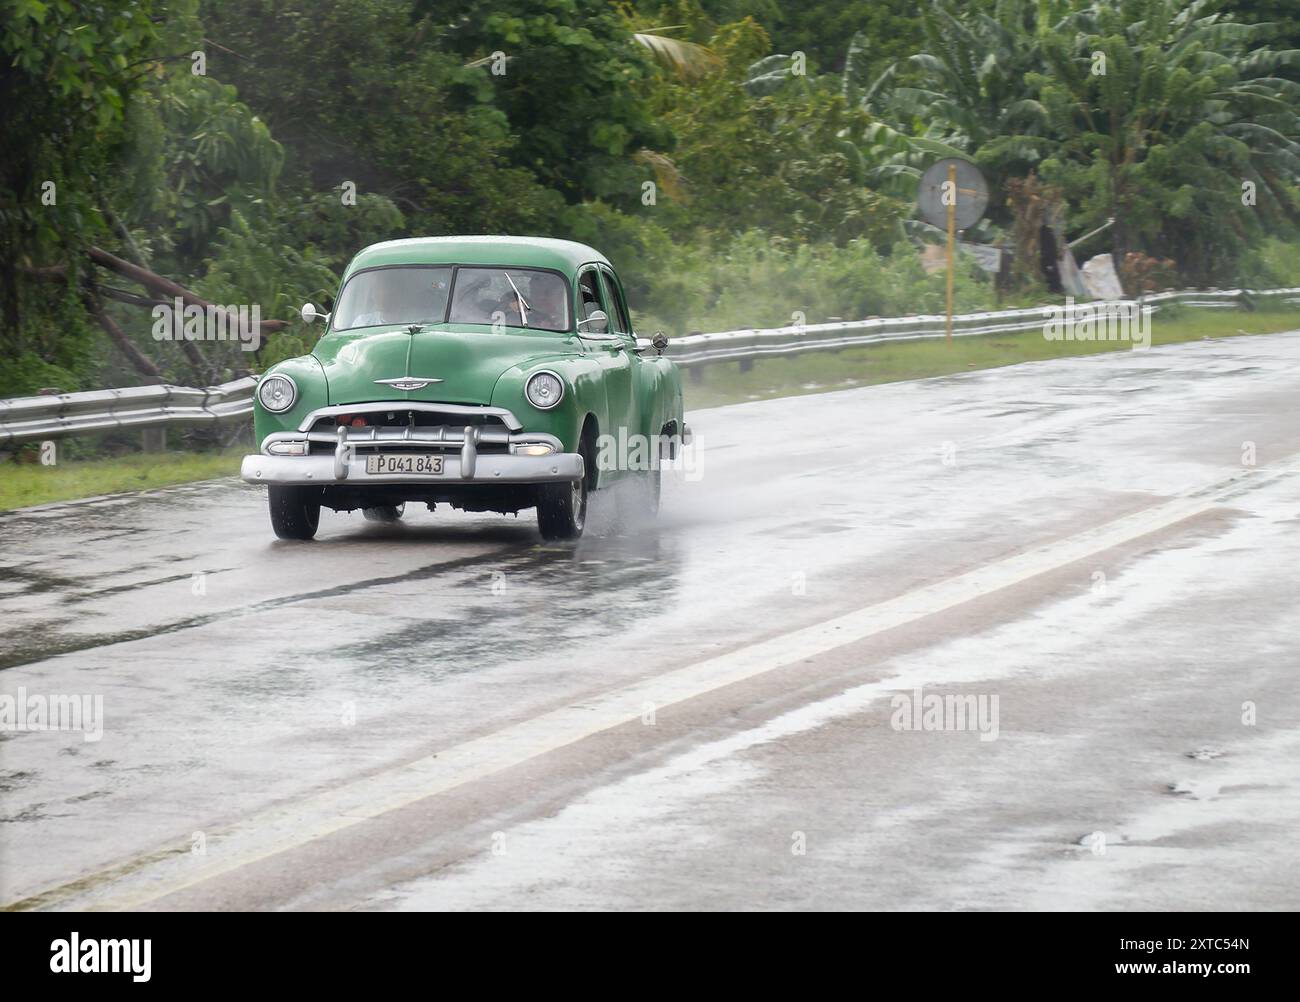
point(523, 303)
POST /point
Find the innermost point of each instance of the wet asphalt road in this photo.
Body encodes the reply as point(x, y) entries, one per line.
point(703, 713)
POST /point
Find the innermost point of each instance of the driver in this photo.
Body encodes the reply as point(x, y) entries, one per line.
point(513, 311)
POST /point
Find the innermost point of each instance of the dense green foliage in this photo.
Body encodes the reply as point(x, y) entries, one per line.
point(66, 76)
point(743, 164)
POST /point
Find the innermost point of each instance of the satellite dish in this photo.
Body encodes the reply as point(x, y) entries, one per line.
point(972, 194)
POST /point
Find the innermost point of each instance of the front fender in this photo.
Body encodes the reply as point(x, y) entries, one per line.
point(313, 392)
point(584, 393)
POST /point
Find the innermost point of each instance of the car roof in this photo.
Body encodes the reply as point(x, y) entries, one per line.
point(521, 252)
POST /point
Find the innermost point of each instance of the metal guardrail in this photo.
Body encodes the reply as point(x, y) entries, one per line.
point(748, 345)
point(26, 419)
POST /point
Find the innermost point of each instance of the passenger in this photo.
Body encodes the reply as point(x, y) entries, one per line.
point(548, 305)
point(390, 307)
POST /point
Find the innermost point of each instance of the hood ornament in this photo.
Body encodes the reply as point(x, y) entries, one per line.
point(407, 383)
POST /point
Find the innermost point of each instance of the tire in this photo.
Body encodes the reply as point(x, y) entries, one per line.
point(385, 513)
point(562, 508)
point(295, 511)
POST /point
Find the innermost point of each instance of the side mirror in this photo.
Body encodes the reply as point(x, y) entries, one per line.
point(660, 341)
point(309, 314)
point(596, 323)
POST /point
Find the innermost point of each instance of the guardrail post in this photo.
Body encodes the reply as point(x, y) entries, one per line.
point(153, 439)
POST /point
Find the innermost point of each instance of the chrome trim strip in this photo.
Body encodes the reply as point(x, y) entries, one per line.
point(507, 417)
point(407, 383)
point(439, 437)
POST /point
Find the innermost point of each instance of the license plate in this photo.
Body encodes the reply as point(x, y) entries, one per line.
point(428, 463)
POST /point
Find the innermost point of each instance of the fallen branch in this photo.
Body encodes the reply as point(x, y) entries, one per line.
point(48, 273)
point(160, 285)
point(95, 306)
point(130, 298)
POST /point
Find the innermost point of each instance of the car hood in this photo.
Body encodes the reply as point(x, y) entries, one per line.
point(466, 364)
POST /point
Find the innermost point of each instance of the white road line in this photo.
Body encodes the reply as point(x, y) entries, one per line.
point(280, 829)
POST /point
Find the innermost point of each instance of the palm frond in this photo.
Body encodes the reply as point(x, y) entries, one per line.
point(687, 59)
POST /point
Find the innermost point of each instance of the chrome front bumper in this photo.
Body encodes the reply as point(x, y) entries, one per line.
point(490, 469)
point(462, 461)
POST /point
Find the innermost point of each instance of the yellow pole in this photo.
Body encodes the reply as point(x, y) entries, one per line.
point(952, 230)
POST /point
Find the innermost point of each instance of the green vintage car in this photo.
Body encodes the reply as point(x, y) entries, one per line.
point(487, 373)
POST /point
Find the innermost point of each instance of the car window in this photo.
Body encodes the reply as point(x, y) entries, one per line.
point(618, 318)
point(393, 296)
point(515, 297)
point(589, 295)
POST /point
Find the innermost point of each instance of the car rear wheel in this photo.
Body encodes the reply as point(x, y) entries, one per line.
point(562, 508)
point(384, 512)
point(295, 511)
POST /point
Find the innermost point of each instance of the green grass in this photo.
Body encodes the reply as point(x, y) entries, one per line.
point(820, 372)
point(25, 484)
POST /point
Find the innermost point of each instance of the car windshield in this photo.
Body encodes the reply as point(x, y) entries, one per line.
point(513, 297)
point(393, 296)
point(496, 297)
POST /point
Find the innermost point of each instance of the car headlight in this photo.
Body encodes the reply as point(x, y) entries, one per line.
point(544, 390)
point(277, 393)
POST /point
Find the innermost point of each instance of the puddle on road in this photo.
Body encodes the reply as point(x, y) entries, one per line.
point(47, 644)
point(487, 611)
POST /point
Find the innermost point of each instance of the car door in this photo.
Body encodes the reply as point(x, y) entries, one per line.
point(610, 349)
point(620, 324)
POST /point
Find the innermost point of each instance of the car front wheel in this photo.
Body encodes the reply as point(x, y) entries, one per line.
point(295, 511)
point(562, 508)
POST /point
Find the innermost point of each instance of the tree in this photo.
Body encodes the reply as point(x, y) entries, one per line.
point(1154, 112)
point(570, 85)
point(821, 28)
point(362, 91)
point(965, 93)
point(786, 161)
point(1167, 116)
point(67, 72)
